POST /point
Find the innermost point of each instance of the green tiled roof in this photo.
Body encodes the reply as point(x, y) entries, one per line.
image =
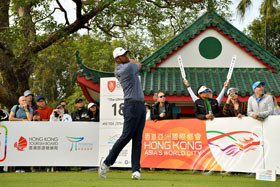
point(91, 74)
point(207, 20)
point(170, 81)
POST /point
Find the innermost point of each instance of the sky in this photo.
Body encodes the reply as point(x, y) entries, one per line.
point(251, 14)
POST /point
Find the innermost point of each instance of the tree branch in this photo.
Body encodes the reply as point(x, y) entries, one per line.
point(64, 11)
point(78, 8)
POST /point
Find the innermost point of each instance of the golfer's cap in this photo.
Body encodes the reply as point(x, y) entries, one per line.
point(119, 52)
point(230, 90)
point(91, 105)
point(256, 84)
point(27, 93)
point(203, 89)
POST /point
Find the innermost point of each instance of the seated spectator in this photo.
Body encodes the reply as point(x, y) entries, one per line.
point(64, 104)
point(148, 111)
point(81, 112)
point(162, 109)
point(58, 114)
point(233, 107)
point(219, 98)
point(260, 105)
point(205, 107)
point(29, 99)
point(4, 115)
point(276, 106)
point(21, 112)
point(93, 112)
point(43, 112)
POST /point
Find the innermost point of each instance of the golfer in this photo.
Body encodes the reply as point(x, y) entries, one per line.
point(134, 113)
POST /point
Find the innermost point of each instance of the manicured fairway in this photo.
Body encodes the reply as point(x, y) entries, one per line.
point(122, 178)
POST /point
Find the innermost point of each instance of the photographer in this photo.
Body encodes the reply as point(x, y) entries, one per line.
point(58, 114)
point(4, 115)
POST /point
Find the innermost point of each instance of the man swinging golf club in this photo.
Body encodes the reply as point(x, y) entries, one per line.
point(134, 113)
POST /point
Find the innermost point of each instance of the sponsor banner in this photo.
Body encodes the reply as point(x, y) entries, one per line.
point(224, 144)
point(111, 121)
point(271, 139)
point(266, 175)
point(49, 144)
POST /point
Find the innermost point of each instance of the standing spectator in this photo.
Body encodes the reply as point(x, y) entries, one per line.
point(233, 106)
point(29, 99)
point(162, 109)
point(260, 105)
point(148, 111)
point(205, 107)
point(21, 112)
point(4, 115)
point(93, 112)
point(81, 112)
point(43, 112)
point(58, 114)
point(276, 106)
point(219, 98)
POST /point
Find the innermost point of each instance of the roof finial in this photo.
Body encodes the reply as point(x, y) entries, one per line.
point(210, 6)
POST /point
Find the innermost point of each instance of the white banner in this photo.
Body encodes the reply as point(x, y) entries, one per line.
point(111, 120)
point(49, 144)
point(231, 67)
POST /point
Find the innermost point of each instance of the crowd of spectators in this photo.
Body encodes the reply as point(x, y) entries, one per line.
point(29, 110)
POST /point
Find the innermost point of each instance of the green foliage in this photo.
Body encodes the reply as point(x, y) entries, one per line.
point(256, 30)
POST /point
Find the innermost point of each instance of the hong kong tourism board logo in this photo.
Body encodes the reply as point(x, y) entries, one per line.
point(78, 144)
point(3, 142)
point(37, 143)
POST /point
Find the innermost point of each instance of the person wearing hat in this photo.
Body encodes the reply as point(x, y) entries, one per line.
point(233, 107)
point(260, 105)
point(219, 98)
point(205, 107)
point(81, 113)
point(134, 113)
point(59, 114)
point(21, 112)
point(93, 112)
point(29, 99)
point(43, 112)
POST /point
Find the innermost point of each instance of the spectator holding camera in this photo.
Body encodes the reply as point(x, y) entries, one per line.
point(58, 114)
point(233, 107)
point(4, 115)
point(43, 112)
point(162, 109)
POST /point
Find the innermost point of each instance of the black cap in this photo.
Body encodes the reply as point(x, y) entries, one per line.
point(78, 100)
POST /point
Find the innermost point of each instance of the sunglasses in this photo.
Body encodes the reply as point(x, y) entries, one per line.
point(161, 96)
point(234, 93)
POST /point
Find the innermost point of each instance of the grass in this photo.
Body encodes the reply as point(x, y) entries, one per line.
point(122, 178)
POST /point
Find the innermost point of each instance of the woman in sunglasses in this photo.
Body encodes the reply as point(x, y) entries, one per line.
point(233, 107)
point(162, 109)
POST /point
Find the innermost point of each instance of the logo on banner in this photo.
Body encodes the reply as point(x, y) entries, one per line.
point(78, 145)
point(113, 139)
point(3, 142)
point(236, 145)
point(21, 144)
point(111, 85)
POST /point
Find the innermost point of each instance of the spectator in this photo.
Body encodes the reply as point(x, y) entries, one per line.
point(260, 105)
point(219, 98)
point(155, 99)
point(233, 106)
point(64, 104)
point(162, 109)
point(21, 112)
point(29, 99)
point(81, 112)
point(4, 115)
point(58, 114)
point(148, 111)
point(43, 112)
point(93, 112)
point(205, 107)
point(276, 106)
